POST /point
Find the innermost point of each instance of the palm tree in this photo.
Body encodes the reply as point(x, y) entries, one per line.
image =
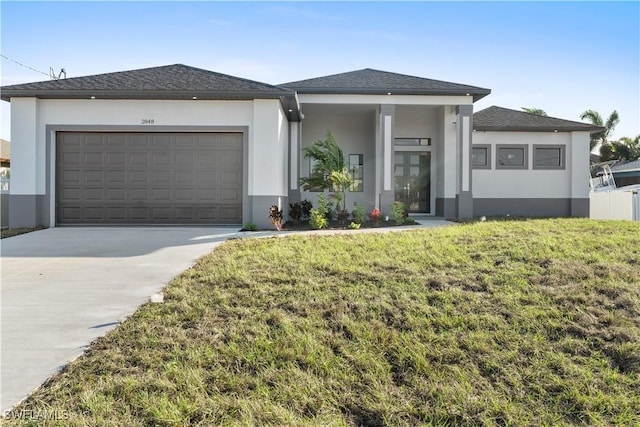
point(596, 119)
point(536, 111)
point(329, 171)
point(626, 148)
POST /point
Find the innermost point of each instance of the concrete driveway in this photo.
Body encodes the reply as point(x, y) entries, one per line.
point(64, 287)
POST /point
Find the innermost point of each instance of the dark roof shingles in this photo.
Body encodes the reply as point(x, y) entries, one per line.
point(504, 119)
point(375, 81)
point(167, 78)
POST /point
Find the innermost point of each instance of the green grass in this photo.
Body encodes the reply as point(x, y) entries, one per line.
point(497, 323)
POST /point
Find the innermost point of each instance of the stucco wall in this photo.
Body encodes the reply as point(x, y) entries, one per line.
point(267, 133)
point(531, 183)
point(534, 192)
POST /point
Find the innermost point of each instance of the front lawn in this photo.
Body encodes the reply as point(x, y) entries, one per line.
point(495, 323)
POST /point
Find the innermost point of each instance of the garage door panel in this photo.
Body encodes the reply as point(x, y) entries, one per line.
point(138, 178)
point(138, 158)
point(116, 213)
point(72, 158)
point(93, 176)
point(93, 194)
point(70, 176)
point(139, 140)
point(162, 141)
point(116, 195)
point(229, 195)
point(184, 160)
point(115, 176)
point(116, 158)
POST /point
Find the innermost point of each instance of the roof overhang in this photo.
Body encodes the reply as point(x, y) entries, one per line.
point(591, 130)
point(289, 99)
point(477, 94)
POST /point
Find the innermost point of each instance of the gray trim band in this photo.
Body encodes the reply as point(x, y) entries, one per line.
point(538, 207)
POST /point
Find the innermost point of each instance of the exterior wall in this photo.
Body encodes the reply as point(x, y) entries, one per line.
point(268, 160)
point(34, 122)
point(355, 133)
point(534, 192)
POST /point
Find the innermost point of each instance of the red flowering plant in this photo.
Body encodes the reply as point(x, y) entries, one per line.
point(374, 216)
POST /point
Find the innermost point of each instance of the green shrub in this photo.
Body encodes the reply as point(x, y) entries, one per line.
point(250, 227)
point(358, 214)
point(354, 226)
point(318, 217)
point(398, 211)
point(299, 211)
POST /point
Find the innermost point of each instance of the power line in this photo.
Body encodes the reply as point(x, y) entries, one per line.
point(23, 65)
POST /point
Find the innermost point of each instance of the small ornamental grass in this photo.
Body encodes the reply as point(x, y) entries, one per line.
point(495, 323)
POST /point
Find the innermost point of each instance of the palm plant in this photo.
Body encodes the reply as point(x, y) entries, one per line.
point(626, 148)
point(329, 170)
point(596, 119)
point(536, 111)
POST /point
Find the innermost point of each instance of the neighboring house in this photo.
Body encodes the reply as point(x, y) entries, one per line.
point(5, 154)
point(626, 172)
point(182, 145)
point(5, 173)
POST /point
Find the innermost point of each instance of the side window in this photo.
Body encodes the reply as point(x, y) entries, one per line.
point(549, 156)
point(511, 156)
point(481, 156)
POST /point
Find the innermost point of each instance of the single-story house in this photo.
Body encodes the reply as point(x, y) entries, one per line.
point(182, 145)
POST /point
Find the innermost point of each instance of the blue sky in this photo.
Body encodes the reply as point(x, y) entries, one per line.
point(563, 57)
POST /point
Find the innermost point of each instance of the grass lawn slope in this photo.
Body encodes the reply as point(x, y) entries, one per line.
point(498, 323)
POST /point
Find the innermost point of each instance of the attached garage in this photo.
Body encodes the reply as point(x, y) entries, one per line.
point(148, 178)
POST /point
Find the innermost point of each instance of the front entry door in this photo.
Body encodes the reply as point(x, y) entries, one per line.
point(412, 176)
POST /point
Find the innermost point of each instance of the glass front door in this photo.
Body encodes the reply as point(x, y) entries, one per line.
point(412, 176)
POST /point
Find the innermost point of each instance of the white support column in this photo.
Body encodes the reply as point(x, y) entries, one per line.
point(294, 155)
point(384, 168)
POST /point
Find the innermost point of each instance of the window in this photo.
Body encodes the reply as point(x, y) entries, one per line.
point(481, 156)
point(548, 156)
point(511, 156)
point(355, 167)
point(413, 141)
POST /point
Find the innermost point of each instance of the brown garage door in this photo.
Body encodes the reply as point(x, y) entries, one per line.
point(148, 178)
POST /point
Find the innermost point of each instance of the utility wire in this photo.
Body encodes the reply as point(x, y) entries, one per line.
point(23, 65)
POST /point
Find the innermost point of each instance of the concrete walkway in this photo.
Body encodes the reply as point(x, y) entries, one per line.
point(64, 287)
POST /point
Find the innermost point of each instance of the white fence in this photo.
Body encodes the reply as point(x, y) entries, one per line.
point(615, 205)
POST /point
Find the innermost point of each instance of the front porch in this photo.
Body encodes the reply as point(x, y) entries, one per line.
point(414, 153)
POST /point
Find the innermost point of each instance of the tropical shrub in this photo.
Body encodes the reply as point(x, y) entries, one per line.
point(318, 217)
point(330, 171)
point(398, 211)
point(358, 214)
point(275, 216)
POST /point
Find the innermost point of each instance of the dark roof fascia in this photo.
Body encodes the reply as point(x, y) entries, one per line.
point(591, 130)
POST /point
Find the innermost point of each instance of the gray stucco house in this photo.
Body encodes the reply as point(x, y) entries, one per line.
point(182, 145)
